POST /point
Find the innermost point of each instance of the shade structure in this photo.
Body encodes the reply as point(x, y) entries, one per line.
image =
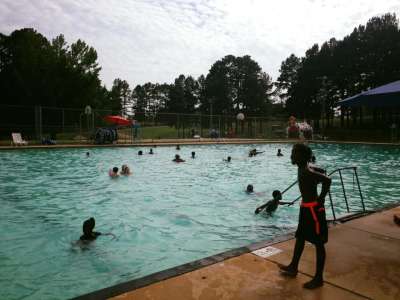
point(387, 95)
point(118, 120)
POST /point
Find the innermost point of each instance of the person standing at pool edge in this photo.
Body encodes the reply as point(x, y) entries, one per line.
point(312, 225)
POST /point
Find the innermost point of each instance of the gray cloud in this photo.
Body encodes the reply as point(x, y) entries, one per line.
point(156, 40)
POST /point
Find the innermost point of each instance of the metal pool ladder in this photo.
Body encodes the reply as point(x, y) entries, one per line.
point(339, 170)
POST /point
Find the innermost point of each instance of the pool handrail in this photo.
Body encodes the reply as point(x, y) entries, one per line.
point(338, 170)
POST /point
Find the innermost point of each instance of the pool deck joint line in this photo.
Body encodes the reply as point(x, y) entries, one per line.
point(363, 262)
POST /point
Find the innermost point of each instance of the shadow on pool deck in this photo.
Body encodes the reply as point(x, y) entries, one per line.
point(363, 262)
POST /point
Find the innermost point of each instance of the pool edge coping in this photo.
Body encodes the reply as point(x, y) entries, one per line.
point(162, 275)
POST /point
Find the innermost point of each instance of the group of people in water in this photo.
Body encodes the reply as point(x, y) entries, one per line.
point(312, 226)
point(125, 170)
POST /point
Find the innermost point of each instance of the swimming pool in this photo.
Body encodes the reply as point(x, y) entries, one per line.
point(164, 215)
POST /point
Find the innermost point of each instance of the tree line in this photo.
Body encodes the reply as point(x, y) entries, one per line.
point(36, 71)
point(366, 58)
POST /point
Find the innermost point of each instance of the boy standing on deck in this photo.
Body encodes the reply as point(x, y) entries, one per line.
point(312, 220)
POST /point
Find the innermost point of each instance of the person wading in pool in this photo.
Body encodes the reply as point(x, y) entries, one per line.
point(312, 225)
point(272, 205)
point(178, 159)
point(254, 152)
point(250, 191)
point(88, 233)
point(228, 159)
point(113, 172)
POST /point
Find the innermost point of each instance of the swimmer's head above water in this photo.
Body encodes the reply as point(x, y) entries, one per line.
point(87, 228)
point(178, 158)
point(125, 170)
point(277, 195)
point(113, 172)
point(250, 188)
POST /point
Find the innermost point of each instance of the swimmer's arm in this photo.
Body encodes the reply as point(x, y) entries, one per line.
point(110, 234)
point(284, 202)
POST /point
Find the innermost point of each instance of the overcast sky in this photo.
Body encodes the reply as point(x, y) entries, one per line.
point(156, 40)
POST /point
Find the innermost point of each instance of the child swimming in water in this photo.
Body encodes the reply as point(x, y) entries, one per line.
point(254, 152)
point(125, 170)
point(272, 205)
point(88, 233)
point(113, 173)
point(250, 189)
point(178, 159)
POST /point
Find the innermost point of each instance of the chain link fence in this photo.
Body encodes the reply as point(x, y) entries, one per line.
point(65, 125)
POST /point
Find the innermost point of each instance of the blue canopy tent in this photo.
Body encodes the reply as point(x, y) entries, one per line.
point(382, 102)
point(387, 95)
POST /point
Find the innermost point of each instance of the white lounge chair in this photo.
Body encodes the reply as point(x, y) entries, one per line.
point(17, 139)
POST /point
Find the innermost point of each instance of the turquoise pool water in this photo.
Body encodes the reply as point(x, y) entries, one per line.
point(164, 215)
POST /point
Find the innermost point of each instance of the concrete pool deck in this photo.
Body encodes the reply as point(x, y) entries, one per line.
point(363, 262)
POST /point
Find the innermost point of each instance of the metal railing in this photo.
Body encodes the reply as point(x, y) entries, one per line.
point(339, 170)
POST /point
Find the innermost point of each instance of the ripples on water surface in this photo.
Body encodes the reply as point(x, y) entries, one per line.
point(164, 215)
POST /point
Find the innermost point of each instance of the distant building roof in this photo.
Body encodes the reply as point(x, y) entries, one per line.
point(385, 95)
